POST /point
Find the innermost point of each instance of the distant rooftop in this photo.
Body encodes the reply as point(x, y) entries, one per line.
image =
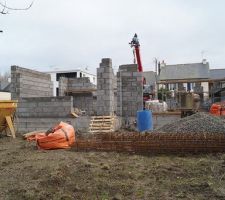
point(184, 71)
point(217, 73)
point(150, 77)
point(4, 86)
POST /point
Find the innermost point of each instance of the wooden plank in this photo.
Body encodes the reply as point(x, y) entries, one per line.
point(102, 131)
point(101, 125)
point(102, 120)
point(74, 115)
point(10, 125)
point(102, 117)
point(93, 119)
point(33, 133)
point(101, 128)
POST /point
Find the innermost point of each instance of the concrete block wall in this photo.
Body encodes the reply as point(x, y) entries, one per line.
point(25, 125)
point(80, 84)
point(30, 83)
point(115, 93)
point(105, 88)
point(75, 84)
point(83, 100)
point(63, 85)
point(86, 102)
point(129, 90)
point(45, 107)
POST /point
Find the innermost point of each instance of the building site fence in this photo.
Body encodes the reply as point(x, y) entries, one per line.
point(153, 143)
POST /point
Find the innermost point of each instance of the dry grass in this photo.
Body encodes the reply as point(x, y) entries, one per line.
point(27, 173)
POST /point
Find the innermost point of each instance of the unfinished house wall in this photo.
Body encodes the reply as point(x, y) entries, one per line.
point(29, 124)
point(115, 93)
point(42, 113)
point(63, 85)
point(83, 92)
point(129, 91)
point(105, 88)
point(30, 83)
point(80, 84)
point(86, 102)
point(45, 107)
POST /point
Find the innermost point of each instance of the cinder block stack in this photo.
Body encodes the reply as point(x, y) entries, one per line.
point(30, 83)
point(105, 88)
point(129, 90)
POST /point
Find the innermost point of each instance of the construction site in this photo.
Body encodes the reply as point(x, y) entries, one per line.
point(118, 139)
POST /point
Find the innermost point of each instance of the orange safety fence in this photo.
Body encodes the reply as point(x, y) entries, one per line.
point(62, 136)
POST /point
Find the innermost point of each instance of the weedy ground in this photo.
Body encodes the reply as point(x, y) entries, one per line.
point(29, 173)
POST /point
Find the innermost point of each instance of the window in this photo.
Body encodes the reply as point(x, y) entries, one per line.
point(67, 75)
point(80, 74)
point(57, 91)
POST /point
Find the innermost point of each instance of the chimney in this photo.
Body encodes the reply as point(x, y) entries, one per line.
point(163, 64)
point(204, 61)
point(159, 68)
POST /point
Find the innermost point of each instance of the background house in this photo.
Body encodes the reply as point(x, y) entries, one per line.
point(150, 88)
point(217, 85)
point(194, 77)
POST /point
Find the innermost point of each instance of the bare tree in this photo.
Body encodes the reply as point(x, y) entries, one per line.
point(5, 76)
point(6, 8)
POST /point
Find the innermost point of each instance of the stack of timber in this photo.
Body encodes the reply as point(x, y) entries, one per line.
point(101, 124)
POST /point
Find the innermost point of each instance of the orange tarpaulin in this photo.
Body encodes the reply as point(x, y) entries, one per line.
point(61, 136)
point(218, 109)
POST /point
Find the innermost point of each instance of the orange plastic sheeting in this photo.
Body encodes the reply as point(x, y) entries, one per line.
point(63, 137)
point(218, 109)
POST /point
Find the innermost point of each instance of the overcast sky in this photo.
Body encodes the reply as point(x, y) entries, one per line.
point(70, 34)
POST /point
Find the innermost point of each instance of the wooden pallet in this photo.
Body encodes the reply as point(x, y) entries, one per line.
point(102, 124)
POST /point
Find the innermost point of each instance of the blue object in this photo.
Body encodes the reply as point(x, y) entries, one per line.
point(144, 120)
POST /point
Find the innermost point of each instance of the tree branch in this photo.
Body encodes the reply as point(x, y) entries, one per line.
point(11, 8)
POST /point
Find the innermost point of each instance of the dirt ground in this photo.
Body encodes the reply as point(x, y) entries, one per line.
point(28, 173)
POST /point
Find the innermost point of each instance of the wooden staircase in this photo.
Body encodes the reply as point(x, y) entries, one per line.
point(102, 124)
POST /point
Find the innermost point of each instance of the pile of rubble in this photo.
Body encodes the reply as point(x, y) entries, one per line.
point(197, 123)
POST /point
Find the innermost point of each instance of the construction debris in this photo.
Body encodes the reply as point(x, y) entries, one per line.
point(195, 124)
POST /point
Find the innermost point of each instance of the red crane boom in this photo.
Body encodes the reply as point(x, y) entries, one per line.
point(135, 43)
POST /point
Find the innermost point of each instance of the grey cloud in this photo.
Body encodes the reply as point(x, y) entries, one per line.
point(72, 34)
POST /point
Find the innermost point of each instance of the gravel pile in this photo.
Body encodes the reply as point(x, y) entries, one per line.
point(197, 123)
